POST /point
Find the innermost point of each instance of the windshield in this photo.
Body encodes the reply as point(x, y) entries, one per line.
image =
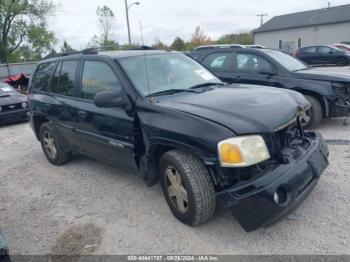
point(5, 88)
point(287, 61)
point(152, 74)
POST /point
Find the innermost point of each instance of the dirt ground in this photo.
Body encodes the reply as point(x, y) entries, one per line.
point(86, 207)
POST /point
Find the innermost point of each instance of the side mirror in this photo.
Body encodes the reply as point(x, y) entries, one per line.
point(109, 99)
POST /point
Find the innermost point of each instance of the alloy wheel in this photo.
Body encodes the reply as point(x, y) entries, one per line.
point(49, 144)
point(176, 190)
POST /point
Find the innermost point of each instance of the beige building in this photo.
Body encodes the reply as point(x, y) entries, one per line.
point(316, 27)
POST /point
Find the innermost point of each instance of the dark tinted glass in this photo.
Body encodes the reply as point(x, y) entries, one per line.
point(63, 80)
point(219, 62)
point(42, 76)
point(252, 64)
point(98, 77)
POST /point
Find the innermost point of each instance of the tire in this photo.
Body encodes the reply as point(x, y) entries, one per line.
point(314, 115)
point(341, 61)
point(195, 180)
point(59, 157)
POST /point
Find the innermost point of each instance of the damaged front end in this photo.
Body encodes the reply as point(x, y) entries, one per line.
point(261, 194)
point(339, 105)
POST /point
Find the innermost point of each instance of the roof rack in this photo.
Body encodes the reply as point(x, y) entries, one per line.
point(95, 50)
point(219, 46)
point(228, 46)
point(255, 46)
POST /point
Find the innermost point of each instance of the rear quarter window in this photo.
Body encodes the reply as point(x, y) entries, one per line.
point(42, 76)
point(219, 62)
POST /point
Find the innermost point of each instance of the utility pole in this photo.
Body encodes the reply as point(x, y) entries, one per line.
point(127, 7)
point(261, 18)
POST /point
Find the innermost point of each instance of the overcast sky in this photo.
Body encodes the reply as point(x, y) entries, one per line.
point(76, 20)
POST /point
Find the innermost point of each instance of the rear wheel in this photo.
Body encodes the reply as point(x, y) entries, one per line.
point(51, 146)
point(187, 187)
point(314, 116)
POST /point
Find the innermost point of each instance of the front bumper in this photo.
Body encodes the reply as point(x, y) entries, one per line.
point(266, 199)
point(14, 116)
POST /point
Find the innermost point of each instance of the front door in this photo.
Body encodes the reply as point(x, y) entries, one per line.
point(254, 69)
point(104, 133)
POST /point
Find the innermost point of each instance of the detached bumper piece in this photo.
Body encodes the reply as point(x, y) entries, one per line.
point(14, 116)
point(266, 199)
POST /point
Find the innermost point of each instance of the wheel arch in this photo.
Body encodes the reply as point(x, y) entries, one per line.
point(38, 120)
point(320, 98)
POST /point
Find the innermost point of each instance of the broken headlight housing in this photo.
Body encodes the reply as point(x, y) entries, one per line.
point(242, 151)
point(340, 89)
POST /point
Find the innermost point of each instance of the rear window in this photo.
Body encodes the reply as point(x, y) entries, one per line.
point(219, 62)
point(42, 76)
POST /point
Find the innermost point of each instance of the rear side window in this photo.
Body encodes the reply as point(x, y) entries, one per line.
point(98, 77)
point(64, 78)
point(42, 76)
point(309, 50)
point(219, 62)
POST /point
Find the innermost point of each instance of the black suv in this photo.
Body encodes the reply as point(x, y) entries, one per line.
point(166, 117)
point(327, 91)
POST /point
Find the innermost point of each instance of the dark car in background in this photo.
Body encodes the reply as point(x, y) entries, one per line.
point(327, 91)
point(323, 55)
point(13, 105)
point(164, 116)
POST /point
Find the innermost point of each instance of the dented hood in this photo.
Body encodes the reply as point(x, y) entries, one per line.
point(241, 108)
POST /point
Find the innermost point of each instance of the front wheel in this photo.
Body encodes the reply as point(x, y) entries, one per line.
point(314, 116)
point(187, 187)
point(341, 61)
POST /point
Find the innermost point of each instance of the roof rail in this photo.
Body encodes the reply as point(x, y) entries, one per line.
point(95, 50)
point(86, 51)
point(219, 46)
point(255, 46)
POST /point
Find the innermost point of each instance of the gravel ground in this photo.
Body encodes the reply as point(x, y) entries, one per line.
point(88, 207)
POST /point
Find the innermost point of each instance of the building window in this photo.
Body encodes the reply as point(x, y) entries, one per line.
point(299, 42)
point(280, 44)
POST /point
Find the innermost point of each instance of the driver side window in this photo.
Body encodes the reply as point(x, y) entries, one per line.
point(98, 77)
point(252, 64)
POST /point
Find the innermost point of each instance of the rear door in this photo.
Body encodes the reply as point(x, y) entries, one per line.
point(309, 55)
point(104, 133)
point(61, 106)
point(221, 64)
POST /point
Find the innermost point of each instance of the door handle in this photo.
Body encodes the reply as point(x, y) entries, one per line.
point(82, 114)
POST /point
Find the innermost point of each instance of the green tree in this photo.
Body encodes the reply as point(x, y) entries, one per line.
point(200, 38)
point(23, 30)
point(159, 44)
point(244, 38)
point(178, 44)
point(66, 48)
point(106, 19)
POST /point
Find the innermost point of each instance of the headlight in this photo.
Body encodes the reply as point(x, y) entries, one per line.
point(339, 88)
point(242, 151)
point(24, 105)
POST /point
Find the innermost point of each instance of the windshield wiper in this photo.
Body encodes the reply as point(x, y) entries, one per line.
point(207, 84)
point(172, 91)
